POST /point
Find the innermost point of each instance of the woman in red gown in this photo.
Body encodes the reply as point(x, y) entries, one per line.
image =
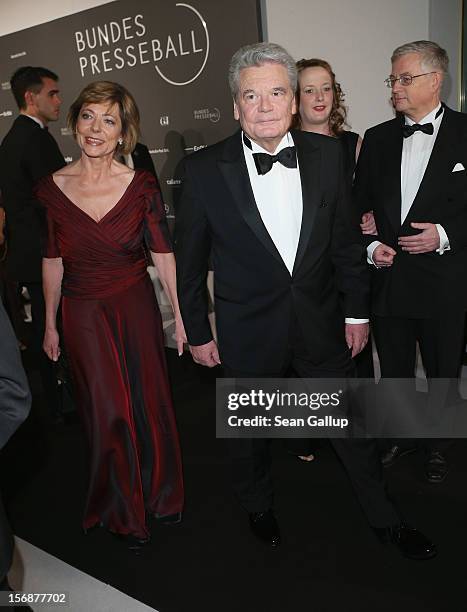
point(100, 217)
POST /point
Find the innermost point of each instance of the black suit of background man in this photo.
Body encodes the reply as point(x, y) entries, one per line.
point(29, 152)
point(418, 294)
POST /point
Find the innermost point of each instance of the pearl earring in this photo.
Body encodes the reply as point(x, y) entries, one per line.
point(120, 141)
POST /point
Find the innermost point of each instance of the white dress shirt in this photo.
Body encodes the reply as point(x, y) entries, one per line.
point(416, 152)
point(278, 197)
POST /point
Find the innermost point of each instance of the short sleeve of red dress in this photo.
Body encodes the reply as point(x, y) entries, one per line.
point(42, 192)
point(156, 230)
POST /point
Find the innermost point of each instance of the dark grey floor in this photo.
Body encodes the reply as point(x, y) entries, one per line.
point(329, 560)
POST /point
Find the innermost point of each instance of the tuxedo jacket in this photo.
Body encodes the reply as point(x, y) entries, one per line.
point(257, 300)
point(15, 401)
point(27, 153)
point(423, 285)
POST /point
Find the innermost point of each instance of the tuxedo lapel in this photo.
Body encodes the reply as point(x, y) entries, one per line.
point(234, 170)
point(391, 179)
point(445, 140)
point(309, 161)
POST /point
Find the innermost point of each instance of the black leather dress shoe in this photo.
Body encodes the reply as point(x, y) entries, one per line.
point(131, 541)
point(410, 542)
point(436, 467)
point(169, 519)
point(390, 456)
point(265, 527)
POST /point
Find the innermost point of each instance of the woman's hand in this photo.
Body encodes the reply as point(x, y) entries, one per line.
point(368, 225)
point(180, 335)
point(51, 344)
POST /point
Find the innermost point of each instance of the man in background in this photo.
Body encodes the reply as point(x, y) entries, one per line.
point(412, 173)
point(29, 152)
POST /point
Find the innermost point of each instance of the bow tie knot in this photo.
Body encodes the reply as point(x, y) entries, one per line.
point(264, 162)
point(408, 130)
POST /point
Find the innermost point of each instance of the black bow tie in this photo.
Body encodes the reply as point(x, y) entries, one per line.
point(264, 162)
point(408, 130)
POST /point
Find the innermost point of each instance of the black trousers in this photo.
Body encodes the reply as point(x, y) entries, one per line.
point(250, 460)
point(46, 366)
point(441, 342)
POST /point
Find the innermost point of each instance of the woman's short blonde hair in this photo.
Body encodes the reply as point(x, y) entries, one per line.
point(107, 92)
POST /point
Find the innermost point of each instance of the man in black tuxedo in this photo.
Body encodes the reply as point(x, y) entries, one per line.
point(29, 152)
point(15, 403)
point(282, 249)
point(412, 174)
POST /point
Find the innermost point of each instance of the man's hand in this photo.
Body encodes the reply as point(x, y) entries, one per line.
point(368, 225)
point(383, 256)
point(356, 336)
point(206, 354)
point(425, 242)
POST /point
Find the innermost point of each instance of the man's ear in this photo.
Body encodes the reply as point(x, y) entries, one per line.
point(438, 81)
point(235, 111)
point(29, 98)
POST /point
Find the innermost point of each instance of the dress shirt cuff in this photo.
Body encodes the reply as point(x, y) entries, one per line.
point(370, 250)
point(443, 240)
point(353, 321)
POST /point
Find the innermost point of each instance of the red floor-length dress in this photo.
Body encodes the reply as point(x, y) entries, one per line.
point(113, 337)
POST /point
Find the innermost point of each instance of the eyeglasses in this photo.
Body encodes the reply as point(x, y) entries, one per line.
point(405, 79)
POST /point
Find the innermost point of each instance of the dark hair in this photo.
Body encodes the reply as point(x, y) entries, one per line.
point(107, 92)
point(29, 78)
point(338, 115)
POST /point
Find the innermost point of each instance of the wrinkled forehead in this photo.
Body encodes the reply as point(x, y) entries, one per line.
point(263, 76)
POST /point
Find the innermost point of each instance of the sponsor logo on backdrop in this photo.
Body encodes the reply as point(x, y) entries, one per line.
point(158, 151)
point(173, 181)
point(6, 113)
point(66, 131)
point(68, 159)
point(205, 113)
point(178, 54)
point(16, 55)
point(196, 148)
point(164, 120)
point(6, 86)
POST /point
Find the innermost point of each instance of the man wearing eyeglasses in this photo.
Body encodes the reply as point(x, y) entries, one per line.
point(412, 174)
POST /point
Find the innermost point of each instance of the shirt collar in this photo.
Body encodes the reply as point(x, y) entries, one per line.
point(38, 121)
point(430, 118)
point(286, 141)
